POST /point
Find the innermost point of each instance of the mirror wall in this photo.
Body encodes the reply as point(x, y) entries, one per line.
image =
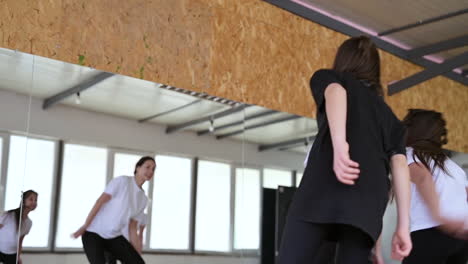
point(67, 130)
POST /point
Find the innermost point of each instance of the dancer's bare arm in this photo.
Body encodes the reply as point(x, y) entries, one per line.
point(104, 198)
point(345, 169)
point(401, 243)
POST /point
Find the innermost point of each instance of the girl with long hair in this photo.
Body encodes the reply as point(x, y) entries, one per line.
point(344, 191)
point(122, 203)
point(14, 222)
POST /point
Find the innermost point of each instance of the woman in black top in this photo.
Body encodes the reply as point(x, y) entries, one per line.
point(345, 188)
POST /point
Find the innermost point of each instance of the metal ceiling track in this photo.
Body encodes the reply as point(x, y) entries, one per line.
point(175, 128)
point(258, 115)
point(287, 144)
point(423, 22)
point(428, 73)
point(333, 24)
point(439, 47)
point(48, 102)
point(271, 122)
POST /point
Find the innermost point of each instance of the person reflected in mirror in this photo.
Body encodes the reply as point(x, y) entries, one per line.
point(344, 190)
point(439, 208)
point(122, 203)
point(14, 222)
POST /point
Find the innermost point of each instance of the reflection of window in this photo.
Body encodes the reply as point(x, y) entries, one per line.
point(212, 223)
point(83, 181)
point(170, 221)
point(274, 178)
point(31, 166)
point(298, 178)
point(247, 209)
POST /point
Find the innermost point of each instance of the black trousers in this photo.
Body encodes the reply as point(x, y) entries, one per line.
point(435, 247)
point(95, 246)
point(7, 258)
point(302, 242)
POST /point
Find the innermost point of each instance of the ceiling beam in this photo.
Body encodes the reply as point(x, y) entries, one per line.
point(48, 102)
point(286, 144)
point(218, 128)
point(423, 22)
point(170, 111)
point(343, 28)
point(439, 47)
point(428, 73)
point(174, 128)
point(267, 123)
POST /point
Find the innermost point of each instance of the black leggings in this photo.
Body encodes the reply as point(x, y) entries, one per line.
point(435, 247)
point(95, 246)
point(301, 243)
point(7, 258)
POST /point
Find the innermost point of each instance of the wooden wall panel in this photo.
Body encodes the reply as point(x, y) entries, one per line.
point(245, 50)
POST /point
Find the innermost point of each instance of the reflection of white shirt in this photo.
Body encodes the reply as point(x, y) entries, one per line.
point(307, 156)
point(451, 191)
point(9, 231)
point(128, 202)
point(140, 222)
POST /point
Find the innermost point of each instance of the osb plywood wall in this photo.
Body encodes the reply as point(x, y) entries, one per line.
point(245, 50)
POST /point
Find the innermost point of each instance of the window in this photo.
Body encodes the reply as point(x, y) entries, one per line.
point(170, 221)
point(31, 166)
point(212, 227)
point(274, 178)
point(247, 209)
point(83, 181)
point(298, 178)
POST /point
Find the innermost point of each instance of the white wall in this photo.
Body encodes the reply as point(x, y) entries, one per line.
point(69, 123)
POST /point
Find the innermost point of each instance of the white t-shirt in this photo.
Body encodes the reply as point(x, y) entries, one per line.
point(128, 202)
point(9, 232)
point(452, 195)
point(140, 222)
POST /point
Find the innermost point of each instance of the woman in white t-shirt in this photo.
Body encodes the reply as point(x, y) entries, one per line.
point(10, 247)
point(122, 203)
point(439, 206)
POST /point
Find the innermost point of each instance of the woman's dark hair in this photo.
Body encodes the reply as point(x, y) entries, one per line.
point(141, 162)
point(426, 133)
point(359, 56)
point(17, 211)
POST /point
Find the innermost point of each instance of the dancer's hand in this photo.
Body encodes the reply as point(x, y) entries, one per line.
point(79, 232)
point(20, 261)
point(346, 170)
point(1, 226)
point(401, 245)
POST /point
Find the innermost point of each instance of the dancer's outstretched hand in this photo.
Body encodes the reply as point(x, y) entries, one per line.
point(346, 170)
point(401, 245)
point(79, 232)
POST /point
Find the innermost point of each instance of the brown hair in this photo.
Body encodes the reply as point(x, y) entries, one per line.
point(360, 57)
point(142, 161)
point(426, 133)
point(17, 211)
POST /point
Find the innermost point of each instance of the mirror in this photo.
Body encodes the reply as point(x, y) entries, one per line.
point(78, 128)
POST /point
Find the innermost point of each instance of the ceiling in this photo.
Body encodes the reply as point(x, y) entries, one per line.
point(138, 99)
point(426, 24)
